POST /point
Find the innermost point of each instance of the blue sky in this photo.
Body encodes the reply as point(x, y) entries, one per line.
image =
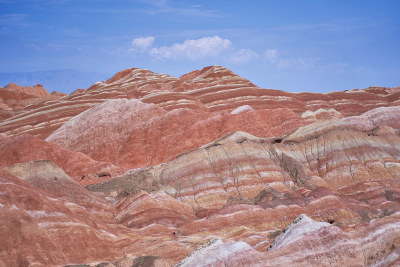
point(296, 46)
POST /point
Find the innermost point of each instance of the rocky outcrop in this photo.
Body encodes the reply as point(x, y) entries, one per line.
point(56, 93)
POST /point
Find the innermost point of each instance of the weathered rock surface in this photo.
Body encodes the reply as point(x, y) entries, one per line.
point(205, 169)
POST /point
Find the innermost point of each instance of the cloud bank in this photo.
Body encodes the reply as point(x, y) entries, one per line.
point(213, 47)
point(192, 49)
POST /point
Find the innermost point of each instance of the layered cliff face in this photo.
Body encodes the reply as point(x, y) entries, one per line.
point(207, 169)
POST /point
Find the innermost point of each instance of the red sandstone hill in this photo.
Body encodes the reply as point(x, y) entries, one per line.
point(37, 90)
point(213, 89)
point(14, 98)
point(202, 170)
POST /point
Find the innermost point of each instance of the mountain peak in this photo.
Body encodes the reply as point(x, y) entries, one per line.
point(12, 86)
point(137, 74)
point(214, 75)
point(37, 90)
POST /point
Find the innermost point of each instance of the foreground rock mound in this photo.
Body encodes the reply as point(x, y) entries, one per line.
point(315, 243)
point(39, 228)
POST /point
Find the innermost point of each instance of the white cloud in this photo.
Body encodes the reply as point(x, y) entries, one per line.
point(142, 44)
point(243, 56)
point(272, 56)
point(193, 49)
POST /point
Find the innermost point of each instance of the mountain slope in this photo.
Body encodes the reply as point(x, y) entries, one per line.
point(213, 89)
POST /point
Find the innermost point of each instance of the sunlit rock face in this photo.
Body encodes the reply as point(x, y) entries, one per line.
point(208, 169)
